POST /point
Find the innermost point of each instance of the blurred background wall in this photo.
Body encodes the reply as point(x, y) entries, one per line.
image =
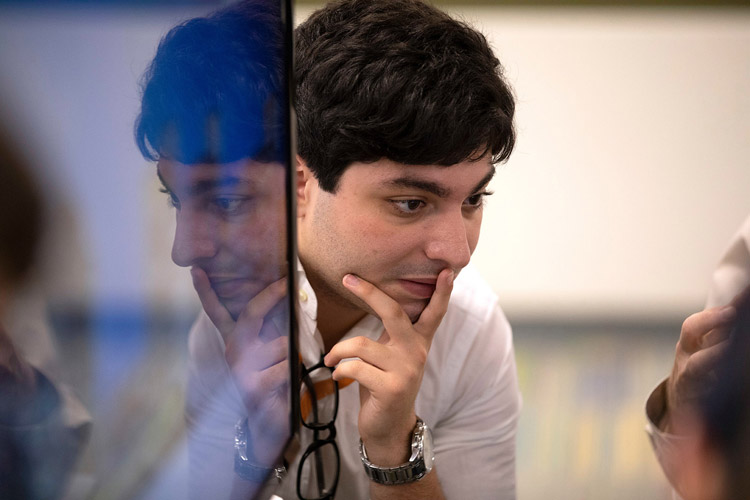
point(629, 176)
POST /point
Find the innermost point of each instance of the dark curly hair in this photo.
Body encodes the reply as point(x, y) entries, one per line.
point(396, 79)
point(214, 90)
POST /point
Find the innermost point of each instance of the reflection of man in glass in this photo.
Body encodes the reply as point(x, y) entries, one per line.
point(403, 113)
point(211, 117)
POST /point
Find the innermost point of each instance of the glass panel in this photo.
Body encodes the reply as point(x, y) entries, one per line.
point(123, 375)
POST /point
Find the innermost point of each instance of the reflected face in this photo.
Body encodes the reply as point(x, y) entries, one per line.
point(231, 222)
point(397, 226)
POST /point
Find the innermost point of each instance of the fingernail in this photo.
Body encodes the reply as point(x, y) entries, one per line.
point(451, 276)
point(351, 280)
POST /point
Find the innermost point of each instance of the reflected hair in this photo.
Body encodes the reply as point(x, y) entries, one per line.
point(396, 79)
point(214, 90)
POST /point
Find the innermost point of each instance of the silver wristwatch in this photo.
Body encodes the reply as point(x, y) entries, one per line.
point(242, 465)
point(419, 464)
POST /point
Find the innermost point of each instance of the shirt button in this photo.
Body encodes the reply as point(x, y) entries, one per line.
point(303, 296)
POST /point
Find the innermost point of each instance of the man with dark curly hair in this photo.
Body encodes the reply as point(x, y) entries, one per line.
point(403, 113)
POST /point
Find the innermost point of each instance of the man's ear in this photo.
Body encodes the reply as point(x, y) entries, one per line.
point(305, 183)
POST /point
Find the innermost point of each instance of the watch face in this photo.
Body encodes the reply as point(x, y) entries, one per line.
point(428, 454)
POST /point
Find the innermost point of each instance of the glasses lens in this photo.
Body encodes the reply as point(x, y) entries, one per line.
point(319, 402)
point(318, 472)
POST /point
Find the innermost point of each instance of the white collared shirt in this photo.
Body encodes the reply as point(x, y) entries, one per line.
point(469, 397)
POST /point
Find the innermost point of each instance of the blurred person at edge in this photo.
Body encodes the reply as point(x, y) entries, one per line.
point(42, 425)
point(715, 460)
point(697, 416)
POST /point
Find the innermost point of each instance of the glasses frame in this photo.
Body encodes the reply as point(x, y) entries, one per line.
point(318, 442)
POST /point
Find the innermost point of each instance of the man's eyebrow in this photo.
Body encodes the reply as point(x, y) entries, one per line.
point(206, 185)
point(435, 188)
point(421, 184)
point(486, 180)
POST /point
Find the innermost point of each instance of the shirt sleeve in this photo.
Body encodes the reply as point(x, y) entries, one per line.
point(475, 438)
point(666, 446)
point(213, 406)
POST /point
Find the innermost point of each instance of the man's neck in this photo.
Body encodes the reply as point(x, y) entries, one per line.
point(335, 321)
point(335, 316)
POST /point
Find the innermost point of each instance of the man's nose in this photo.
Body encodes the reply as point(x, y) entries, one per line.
point(194, 239)
point(450, 242)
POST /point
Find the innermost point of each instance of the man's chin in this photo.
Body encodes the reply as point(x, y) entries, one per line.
point(414, 309)
point(236, 306)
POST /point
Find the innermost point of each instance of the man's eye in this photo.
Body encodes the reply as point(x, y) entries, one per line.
point(407, 206)
point(171, 198)
point(228, 206)
point(477, 200)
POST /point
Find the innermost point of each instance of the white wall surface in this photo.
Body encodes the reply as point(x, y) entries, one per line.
point(631, 168)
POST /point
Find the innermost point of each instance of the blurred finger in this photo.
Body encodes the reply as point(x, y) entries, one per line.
point(715, 336)
point(260, 305)
point(257, 356)
point(257, 386)
point(699, 324)
point(215, 310)
point(700, 365)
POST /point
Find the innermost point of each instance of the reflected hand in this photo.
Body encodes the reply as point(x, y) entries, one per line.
point(390, 370)
point(257, 354)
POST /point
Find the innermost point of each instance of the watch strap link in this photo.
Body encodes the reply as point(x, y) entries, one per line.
point(402, 474)
point(242, 465)
point(413, 470)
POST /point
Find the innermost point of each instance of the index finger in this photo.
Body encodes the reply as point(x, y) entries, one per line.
point(389, 311)
point(215, 310)
point(433, 314)
point(698, 325)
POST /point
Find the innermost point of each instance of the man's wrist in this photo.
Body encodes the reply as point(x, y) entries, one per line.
point(392, 450)
point(415, 467)
point(244, 464)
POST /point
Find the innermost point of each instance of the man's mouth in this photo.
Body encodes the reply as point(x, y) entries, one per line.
point(227, 287)
point(422, 288)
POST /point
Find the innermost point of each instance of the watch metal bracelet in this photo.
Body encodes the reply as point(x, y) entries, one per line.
point(419, 464)
point(242, 465)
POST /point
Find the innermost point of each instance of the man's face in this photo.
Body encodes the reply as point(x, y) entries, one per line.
point(231, 222)
point(396, 226)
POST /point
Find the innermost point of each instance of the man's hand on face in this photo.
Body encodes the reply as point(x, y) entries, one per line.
point(702, 341)
point(390, 370)
point(257, 354)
